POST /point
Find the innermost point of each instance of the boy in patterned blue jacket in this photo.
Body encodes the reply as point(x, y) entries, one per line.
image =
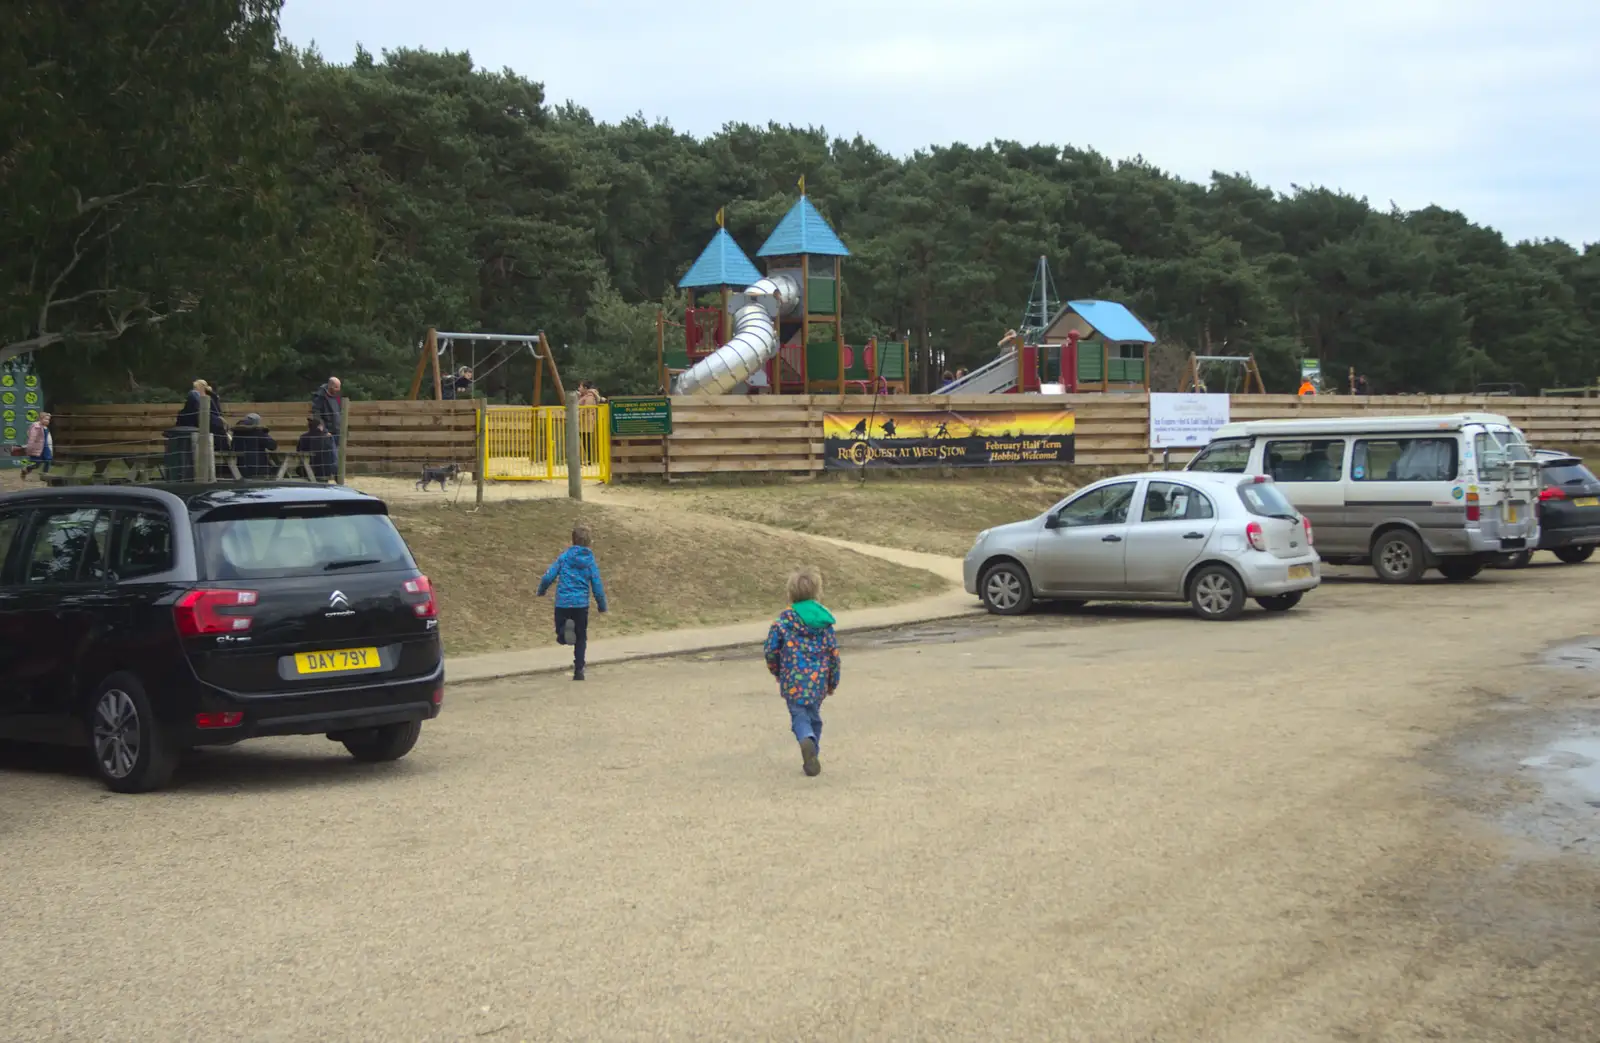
point(575, 575)
point(803, 654)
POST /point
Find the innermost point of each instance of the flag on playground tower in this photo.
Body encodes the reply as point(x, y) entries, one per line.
point(802, 184)
point(720, 211)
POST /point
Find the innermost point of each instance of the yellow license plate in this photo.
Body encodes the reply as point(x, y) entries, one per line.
point(1511, 513)
point(1299, 571)
point(338, 661)
point(1586, 501)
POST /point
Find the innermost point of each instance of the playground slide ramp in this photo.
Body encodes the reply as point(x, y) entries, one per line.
point(754, 341)
point(992, 378)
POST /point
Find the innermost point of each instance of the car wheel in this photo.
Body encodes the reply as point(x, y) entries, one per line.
point(1459, 570)
point(1006, 590)
point(1216, 592)
point(130, 750)
point(1575, 555)
point(1281, 602)
point(1397, 557)
point(387, 742)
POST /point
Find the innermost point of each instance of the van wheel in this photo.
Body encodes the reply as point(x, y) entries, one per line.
point(1575, 555)
point(1006, 590)
point(1397, 557)
point(1216, 592)
point(1459, 570)
point(130, 750)
point(387, 742)
point(1281, 602)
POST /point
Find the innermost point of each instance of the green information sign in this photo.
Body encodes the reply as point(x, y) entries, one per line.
point(21, 401)
point(641, 417)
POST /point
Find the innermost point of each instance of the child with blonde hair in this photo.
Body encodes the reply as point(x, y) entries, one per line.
point(803, 654)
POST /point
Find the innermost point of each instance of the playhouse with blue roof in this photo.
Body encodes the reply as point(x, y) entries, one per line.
point(813, 356)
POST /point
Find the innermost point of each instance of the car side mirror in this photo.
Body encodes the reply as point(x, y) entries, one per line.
point(1053, 520)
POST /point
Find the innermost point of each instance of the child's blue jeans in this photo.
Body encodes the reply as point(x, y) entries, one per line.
point(806, 722)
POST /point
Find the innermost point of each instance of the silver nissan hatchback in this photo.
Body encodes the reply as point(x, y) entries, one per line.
point(1214, 540)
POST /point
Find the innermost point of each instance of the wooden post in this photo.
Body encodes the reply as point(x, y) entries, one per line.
point(574, 450)
point(550, 360)
point(805, 324)
point(206, 459)
point(482, 463)
point(430, 345)
point(344, 436)
point(838, 319)
point(661, 348)
point(538, 372)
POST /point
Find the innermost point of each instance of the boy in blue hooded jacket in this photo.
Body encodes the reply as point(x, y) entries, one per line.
point(576, 574)
point(803, 654)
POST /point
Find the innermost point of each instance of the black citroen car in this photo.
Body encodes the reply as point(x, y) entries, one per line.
point(1569, 509)
point(145, 620)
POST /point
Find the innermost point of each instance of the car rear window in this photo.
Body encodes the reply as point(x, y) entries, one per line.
point(1567, 473)
point(300, 545)
point(1264, 499)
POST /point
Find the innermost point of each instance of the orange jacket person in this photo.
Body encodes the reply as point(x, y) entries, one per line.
point(1307, 388)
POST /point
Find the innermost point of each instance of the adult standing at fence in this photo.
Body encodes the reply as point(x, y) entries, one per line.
point(41, 448)
point(588, 394)
point(328, 405)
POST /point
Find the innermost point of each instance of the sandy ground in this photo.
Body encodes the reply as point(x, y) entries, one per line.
point(1120, 825)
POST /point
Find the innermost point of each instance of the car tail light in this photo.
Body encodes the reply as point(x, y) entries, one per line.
point(1311, 537)
point(227, 719)
point(429, 607)
point(1258, 538)
point(213, 612)
point(1260, 479)
point(1473, 512)
point(438, 696)
point(1551, 494)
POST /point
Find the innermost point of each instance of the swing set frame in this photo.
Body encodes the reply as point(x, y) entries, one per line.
point(1192, 384)
point(538, 344)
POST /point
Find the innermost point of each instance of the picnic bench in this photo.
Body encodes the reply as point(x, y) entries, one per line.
point(139, 468)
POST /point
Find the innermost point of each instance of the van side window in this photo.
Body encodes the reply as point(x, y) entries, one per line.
point(68, 546)
point(1404, 460)
point(1306, 460)
point(1225, 456)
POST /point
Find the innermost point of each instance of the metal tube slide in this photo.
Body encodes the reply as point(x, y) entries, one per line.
point(754, 342)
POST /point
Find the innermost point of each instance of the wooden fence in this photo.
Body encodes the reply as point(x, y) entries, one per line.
point(783, 433)
point(383, 436)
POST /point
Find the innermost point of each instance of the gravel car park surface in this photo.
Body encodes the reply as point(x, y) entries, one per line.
point(1122, 823)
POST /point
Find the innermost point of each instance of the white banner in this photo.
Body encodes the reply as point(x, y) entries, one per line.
point(1185, 421)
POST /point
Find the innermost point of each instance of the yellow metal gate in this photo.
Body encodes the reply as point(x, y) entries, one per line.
point(529, 444)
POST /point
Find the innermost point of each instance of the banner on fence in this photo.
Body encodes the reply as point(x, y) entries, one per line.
point(946, 438)
point(1185, 421)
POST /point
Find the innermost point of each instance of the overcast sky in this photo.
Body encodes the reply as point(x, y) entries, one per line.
point(1489, 108)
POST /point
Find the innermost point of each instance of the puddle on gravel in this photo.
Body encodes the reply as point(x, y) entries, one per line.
point(1574, 655)
point(1538, 761)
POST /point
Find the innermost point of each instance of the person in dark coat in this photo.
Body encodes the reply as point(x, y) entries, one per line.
point(317, 445)
point(189, 415)
point(327, 405)
point(251, 444)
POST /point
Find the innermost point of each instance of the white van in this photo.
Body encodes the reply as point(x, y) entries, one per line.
point(1403, 493)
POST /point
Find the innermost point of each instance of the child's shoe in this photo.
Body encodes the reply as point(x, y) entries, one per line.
point(569, 633)
point(808, 755)
point(577, 673)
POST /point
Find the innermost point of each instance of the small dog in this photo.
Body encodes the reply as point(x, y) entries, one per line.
point(437, 474)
